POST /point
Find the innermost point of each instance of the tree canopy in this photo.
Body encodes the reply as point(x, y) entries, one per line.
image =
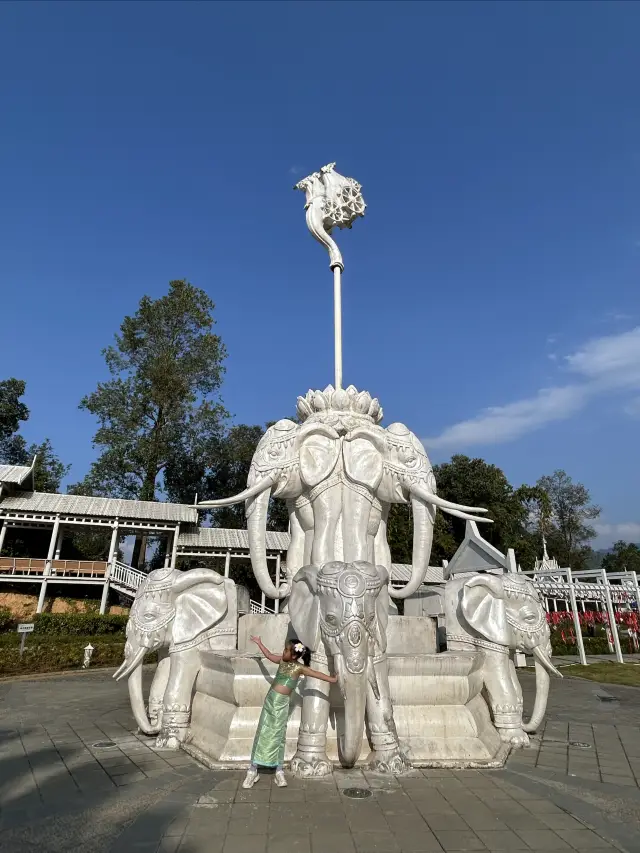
point(12, 412)
point(567, 530)
point(623, 557)
point(160, 410)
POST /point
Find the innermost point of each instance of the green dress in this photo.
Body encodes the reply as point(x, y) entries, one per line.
point(270, 740)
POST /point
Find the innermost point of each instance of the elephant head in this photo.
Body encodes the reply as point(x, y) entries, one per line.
point(395, 465)
point(174, 609)
point(275, 472)
point(346, 606)
point(507, 610)
point(339, 471)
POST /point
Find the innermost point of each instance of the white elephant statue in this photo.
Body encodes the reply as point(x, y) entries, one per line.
point(340, 611)
point(182, 613)
point(339, 472)
point(495, 615)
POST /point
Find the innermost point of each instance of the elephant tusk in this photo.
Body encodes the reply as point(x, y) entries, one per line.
point(259, 487)
point(130, 665)
point(467, 516)
point(445, 505)
point(540, 656)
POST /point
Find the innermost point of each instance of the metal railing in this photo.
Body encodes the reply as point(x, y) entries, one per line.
point(126, 576)
point(257, 607)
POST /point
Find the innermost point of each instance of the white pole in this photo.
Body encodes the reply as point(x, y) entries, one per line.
point(227, 564)
point(52, 545)
point(276, 604)
point(576, 619)
point(3, 531)
point(59, 544)
point(337, 323)
point(110, 563)
point(612, 617)
point(174, 550)
point(634, 578)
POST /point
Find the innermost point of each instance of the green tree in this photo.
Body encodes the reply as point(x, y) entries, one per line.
point(12, 411)
point(228, 475)
point(475, 482)
point(49, 470)
point(624, 556)
point(400, 536)
point(571, 511)
point(161, 406)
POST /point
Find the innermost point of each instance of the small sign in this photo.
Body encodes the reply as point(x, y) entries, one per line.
point(26, 627)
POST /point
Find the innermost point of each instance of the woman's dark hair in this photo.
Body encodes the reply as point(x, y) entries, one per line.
point(305, 654)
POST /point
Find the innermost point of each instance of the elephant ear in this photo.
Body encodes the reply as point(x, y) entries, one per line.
point(304, 607)
point(363, 462)
point(318, 457)
point(483, 608)
point(197, 610)
point(382, 609)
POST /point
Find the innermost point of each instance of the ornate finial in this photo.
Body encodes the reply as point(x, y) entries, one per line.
point(331, 201)
point(334, 403)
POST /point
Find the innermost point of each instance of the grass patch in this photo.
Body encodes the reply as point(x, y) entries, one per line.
point(607, 673)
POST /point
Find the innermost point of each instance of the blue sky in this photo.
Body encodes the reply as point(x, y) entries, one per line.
point(491, 295)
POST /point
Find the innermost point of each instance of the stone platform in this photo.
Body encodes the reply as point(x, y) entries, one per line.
point(441, 718)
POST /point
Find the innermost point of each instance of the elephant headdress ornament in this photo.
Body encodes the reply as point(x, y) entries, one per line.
point(339, 472)
point(341, 610)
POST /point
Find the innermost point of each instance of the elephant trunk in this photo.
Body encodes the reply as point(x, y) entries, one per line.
point(543, 668)
point(137, 702)
point(256, 511)
point(353, 687)
point(424, 516)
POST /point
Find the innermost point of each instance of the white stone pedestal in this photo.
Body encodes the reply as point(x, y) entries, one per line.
point(440, 715)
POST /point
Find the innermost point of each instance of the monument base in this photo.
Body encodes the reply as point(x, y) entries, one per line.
point(441, 717)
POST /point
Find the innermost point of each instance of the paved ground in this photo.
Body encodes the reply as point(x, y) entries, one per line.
point(576, 789)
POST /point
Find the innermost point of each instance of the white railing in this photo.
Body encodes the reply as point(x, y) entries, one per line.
point(257, 607)
point(126, 576)
point(28, 566)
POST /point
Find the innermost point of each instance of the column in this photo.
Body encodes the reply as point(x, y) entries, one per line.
point(3, 531)
point(576, 619)
point(113, 549)
point(47, 566)
point(174, 550)
point(612, 617)
point(59, 544)
point(227, 563)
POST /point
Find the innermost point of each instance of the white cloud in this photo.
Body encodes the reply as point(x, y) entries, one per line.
point(504, 423)
point(613, 360)
point(629, 531)
point(602, 365)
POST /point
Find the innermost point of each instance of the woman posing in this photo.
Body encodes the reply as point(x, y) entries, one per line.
point(269, 742)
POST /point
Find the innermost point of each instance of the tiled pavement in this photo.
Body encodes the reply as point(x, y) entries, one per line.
point(576, 789)
point(430, 811)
